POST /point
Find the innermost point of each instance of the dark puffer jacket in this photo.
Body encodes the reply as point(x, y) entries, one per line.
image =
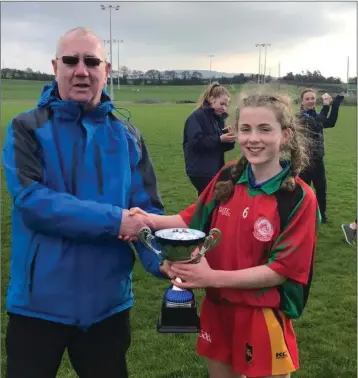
point(203, 149)
point(315, 123)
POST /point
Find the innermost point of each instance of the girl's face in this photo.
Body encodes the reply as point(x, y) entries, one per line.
point(308, 100)
point(260, 135)
point(219, 104)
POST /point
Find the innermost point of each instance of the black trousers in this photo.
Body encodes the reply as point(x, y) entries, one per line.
point(35, 347)
point(316, 174)
point(200, 183)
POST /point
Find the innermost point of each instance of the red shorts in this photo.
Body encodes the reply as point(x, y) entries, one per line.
point(255, 341)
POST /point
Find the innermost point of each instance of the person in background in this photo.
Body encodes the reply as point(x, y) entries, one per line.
point(315, 123)
point(73, 169)
point(350, 232)
point(205, 137)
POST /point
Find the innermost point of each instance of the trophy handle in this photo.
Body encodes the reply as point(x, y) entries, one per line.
point(145, 236)
point(211, 241)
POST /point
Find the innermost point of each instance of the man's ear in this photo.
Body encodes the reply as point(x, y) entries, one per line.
point(108, 70)
point(54, 66)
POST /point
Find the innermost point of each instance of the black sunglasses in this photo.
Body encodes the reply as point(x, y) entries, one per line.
point(89, 61)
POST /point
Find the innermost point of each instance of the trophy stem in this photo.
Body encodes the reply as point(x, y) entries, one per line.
point(176, 288)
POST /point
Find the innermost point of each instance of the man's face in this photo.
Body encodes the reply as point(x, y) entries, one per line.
point(80, 77)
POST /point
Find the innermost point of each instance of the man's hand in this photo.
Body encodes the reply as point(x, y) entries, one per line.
point(132, 224)
point(228, 138)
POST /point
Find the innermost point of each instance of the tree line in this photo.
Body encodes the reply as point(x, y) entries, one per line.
point(171, 77)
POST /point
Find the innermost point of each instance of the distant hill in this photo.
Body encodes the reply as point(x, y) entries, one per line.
point(206, 73)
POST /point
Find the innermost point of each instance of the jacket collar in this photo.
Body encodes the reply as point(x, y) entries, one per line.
point(209, 110)
point(50, 98)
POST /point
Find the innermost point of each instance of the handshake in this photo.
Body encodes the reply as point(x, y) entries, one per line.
point(132, 221)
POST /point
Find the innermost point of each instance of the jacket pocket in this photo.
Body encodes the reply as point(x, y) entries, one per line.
point(32, 268)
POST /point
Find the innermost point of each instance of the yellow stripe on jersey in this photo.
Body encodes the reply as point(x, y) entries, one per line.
point(281, 358)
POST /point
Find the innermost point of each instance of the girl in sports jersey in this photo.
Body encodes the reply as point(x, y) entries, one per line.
point(258, 278)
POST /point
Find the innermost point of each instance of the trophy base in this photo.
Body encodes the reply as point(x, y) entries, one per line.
point(178, 320)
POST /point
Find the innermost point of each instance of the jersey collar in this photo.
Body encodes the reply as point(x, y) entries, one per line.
point(270, 186)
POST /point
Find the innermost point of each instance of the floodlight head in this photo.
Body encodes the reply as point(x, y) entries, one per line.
point(103, 7)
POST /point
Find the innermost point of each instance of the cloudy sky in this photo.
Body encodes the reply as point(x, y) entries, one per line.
point(181, 35)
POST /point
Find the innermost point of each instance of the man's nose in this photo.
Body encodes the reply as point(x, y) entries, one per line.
point(81, 69)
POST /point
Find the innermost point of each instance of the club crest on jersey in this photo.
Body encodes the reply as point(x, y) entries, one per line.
point(263, 229)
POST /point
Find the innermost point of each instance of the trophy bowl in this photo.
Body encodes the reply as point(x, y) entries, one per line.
point(177, 243)
point(179, 311)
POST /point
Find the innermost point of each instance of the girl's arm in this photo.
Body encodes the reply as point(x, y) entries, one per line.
point(324, 111)
point(161, 221)
point(332, 119)
point(167, 221)
point(251, 278)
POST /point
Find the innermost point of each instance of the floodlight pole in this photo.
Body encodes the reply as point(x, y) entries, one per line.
point(118, 41)
point(259, 73)
point(115, 7)
point(347, 76)
point(266, 45)
point(210, 58)
point(104, 42)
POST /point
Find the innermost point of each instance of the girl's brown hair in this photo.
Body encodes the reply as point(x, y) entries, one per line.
point(306, 90)
point(214, 90)
point(296, 150)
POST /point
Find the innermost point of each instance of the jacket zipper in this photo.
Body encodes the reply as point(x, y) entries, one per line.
point(74, 168)
point(98, 161)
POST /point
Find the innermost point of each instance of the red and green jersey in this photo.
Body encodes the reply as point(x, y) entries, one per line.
point(262, 226)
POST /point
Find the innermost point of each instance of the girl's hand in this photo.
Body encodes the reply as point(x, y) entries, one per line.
point(327, 100)
point(137, 210)
point(196, 276)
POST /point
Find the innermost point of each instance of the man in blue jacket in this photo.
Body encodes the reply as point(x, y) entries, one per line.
point(73, 169)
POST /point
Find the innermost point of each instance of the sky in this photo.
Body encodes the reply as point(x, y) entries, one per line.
point(180, 35)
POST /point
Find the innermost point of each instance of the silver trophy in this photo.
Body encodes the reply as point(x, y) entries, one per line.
point(179, 311)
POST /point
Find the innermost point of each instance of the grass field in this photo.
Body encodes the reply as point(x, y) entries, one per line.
point(327, 330)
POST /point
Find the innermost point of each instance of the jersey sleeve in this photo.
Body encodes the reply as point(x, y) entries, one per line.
point(188, 213)
point(293, 251)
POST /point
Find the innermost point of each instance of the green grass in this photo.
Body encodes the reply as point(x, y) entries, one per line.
point(326, 332)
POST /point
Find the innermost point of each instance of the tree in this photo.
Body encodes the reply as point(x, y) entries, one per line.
point(151, 74)
point(185, 75)
point(289, 76)
point(197, 75)
point(124, 71)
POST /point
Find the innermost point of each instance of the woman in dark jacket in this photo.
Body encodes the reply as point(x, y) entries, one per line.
point(315, 124)
point(205, 137)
